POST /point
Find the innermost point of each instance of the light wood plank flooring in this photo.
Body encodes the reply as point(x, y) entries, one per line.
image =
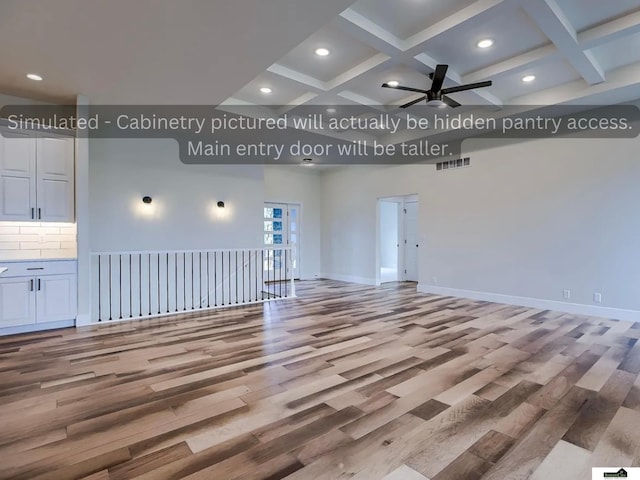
point(345, 381)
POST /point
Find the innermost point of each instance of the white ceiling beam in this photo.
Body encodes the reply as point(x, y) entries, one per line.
point(376, 37)
point(625, 79)
point(358, 71)
point(517, 64)
point(610, 31)
point(476, 11)
point(553, 22)
point(296, 76)
point(361, 99)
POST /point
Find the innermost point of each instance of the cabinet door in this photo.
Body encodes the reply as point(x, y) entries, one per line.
point(55, 159)
point(56, 298)
point(17, 175)
point(17, 301)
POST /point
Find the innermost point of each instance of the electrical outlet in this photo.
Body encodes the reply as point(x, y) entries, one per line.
point(566, 294)
point(597, 297)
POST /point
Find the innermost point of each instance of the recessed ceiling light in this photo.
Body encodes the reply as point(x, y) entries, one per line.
point(528, 78)
point(307, 162)
point(265, 90)
point(33, 76)
point(393, 83)
point(322, 52)
point(485, 43)
point(331, 110)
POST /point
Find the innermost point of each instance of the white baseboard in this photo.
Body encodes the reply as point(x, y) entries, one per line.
point(313, 276)
point(575, 308)
point(349, 279)
point(37, 327)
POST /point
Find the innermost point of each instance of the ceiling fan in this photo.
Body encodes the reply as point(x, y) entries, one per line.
point(436, 96)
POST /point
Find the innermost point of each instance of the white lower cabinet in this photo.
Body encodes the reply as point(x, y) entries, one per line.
point(17, 302)
point(55, 298)
point(37, 293)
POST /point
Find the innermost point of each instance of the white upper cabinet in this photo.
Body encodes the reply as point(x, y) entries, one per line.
point(17, 176)
point(36, 177)
point(55, 178)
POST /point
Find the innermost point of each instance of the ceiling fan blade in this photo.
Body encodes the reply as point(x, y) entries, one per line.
point(413, 102)
point(438, 77)
point(470, 86)
point(408, 89)
point(450, 101)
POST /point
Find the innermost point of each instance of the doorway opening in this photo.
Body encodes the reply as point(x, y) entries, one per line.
point(397, 239)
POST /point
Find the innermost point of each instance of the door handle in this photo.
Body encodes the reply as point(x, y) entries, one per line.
point(38, 284)
point(31, 285)
point(39, 214)
point(33, 213)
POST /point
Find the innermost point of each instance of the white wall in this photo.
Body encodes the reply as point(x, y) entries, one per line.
point(296, 184)
point(184, 213)
point(388, 234)
point(527, 220)
point(349, 218)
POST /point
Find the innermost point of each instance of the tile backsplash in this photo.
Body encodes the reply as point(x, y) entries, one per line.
point(33, 240)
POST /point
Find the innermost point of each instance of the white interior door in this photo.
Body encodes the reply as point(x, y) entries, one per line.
point(411, 245)
point(281, 227)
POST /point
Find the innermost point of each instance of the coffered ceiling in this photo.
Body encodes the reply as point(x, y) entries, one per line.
point(579, 51)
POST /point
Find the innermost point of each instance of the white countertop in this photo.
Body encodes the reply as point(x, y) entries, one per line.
point(25, 260)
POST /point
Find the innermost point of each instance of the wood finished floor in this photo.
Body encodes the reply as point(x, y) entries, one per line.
point(345, 381)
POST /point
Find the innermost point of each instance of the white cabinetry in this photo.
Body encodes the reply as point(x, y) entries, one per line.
point(36, 177)
point(37, 293)
point(55, 298)
point(17, 302)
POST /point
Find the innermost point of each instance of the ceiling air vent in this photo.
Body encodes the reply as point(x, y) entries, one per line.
point(449, 164)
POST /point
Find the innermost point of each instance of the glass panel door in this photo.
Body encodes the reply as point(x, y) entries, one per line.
point(281, 227)
point(275, 233)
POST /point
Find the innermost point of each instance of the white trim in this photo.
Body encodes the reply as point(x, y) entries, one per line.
point(312, 276)
point(575, 308)
point(349, 279)
point(83, 320)
point(37, 327)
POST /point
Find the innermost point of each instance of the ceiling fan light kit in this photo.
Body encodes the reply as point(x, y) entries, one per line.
point(436, 96)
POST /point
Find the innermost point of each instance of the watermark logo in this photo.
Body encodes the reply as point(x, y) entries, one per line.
point(615, 472)
point(622, 473)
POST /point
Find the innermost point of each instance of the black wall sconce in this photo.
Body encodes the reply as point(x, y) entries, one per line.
point(220, 204)
point(146, 200)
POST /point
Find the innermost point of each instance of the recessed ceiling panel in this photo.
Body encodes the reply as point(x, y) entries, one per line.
point(404, 18)
point(512, 31)
point(584, 14)
point(345, 53)
point(331, 101)
point(619, 53)
point(369, 86)
point(549, 75)
point(283, 91)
